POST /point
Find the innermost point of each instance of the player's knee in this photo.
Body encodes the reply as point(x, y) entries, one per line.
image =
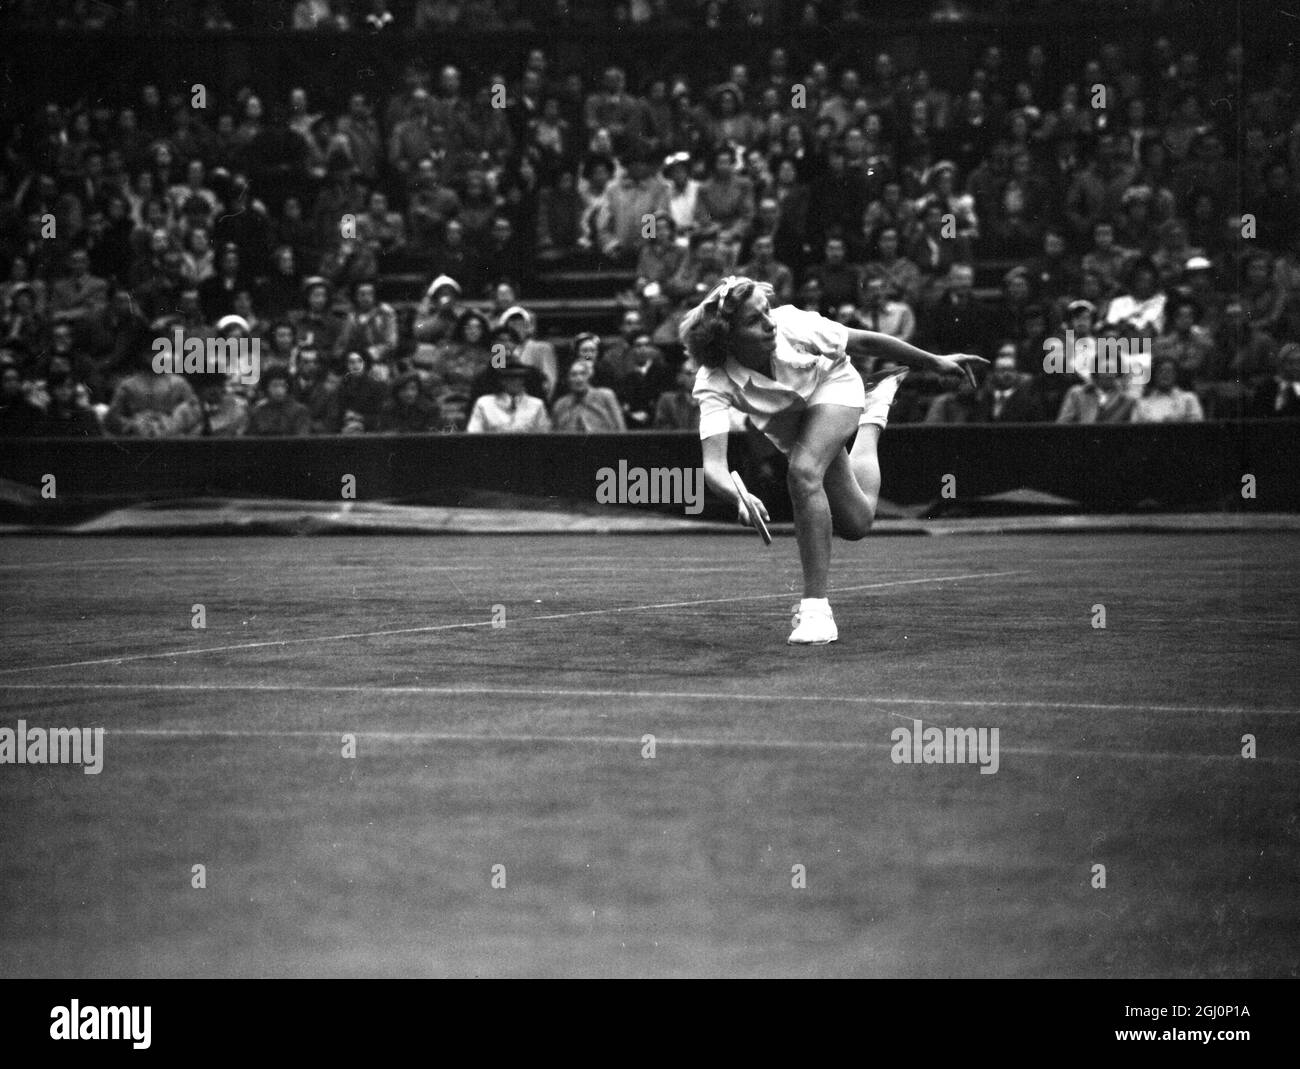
point(857, 527)
point(804, 479)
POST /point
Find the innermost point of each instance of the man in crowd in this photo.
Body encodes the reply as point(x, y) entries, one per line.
point(509, 409)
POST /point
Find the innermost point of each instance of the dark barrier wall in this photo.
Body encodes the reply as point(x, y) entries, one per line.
point(1103, 468)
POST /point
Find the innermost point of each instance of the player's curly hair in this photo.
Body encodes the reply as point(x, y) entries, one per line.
point(705, 330)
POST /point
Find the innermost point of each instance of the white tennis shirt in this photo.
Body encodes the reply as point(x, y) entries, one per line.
point(809, 350)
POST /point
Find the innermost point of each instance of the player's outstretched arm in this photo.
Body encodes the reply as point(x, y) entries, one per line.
point(866, 344)
point(717, 477)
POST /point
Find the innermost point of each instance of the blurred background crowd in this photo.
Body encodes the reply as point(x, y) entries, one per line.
point(510, 247)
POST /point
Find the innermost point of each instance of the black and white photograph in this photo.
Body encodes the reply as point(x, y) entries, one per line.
point(629, 489)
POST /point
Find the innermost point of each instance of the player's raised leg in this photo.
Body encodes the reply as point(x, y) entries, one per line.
point(853, 478)
point(853, 485)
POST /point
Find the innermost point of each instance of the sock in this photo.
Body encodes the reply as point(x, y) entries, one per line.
point(821, 605)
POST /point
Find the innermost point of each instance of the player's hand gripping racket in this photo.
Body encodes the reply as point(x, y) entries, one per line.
point(752, 511)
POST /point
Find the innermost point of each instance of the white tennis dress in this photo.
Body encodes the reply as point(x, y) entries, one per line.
point(811, 368)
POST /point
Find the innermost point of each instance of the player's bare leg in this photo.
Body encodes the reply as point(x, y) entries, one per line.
point(853, 485)
point(822, 437)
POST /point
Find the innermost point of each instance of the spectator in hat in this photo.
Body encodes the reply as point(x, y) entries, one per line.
point(586, 409)
point(509, 409)
point(683, 191)
point(1198, 285)
point(439, 310)
point(407, 410)
point(529, 350)
point(278, 414)
point(1163, 401)
point(316, 326)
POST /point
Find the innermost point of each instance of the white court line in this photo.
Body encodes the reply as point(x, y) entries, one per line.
point(486, 623)
point(706, 696)
point(78, 563)
point(663, 742)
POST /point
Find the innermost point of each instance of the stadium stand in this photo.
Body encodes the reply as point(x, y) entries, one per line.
point(373, 191)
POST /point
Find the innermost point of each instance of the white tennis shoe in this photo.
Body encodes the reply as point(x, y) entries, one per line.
point(812, 627)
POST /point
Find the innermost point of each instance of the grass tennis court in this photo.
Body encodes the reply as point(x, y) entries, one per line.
point(521, 746)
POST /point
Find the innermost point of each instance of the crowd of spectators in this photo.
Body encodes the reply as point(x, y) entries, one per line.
point(1144, 196)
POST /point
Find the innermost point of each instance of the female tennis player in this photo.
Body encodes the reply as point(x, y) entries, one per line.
point(790, 371)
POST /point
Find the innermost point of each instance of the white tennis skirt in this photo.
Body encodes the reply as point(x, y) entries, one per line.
point(844, 386)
